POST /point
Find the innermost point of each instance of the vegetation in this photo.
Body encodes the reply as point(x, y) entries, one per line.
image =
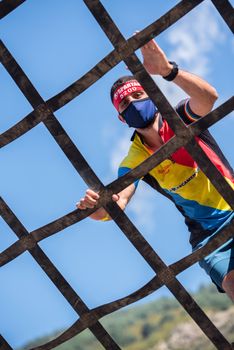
point(157, 325)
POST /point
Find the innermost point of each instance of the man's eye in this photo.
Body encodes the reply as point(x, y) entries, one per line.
point(138, 94)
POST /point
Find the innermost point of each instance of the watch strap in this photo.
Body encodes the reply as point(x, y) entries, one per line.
point(173, 72)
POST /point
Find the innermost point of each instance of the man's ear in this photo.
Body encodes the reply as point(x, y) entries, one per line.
point(121, 118)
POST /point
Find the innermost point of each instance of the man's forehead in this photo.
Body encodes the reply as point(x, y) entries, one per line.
point(125, 90)
point(125, 86)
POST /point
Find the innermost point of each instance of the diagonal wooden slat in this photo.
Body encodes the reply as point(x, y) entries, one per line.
point(3, 344)
point(7, 6)
point(226, 10)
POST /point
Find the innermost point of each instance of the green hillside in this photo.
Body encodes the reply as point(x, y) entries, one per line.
point(159, 325)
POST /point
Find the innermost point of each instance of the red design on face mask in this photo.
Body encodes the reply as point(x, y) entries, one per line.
point(124, 90)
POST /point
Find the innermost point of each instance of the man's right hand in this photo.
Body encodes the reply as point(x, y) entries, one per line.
point(91, 198)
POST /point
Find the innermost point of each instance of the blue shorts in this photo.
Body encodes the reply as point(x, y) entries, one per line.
point(221, 261)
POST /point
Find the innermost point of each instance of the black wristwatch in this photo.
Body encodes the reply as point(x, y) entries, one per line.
point(173, 73)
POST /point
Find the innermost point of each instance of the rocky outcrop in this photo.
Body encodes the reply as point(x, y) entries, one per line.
point(189, 336)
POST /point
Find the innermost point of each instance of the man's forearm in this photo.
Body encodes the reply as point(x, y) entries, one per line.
point(202, 94)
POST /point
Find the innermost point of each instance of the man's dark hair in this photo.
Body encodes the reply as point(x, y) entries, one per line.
point(119, 82)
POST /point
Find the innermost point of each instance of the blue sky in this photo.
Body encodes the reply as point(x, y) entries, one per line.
point(56, 42)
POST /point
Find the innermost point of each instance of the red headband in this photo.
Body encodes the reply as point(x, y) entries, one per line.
point(124, 90)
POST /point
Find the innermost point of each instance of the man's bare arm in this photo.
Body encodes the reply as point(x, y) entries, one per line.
point(91, 199)
point(202, 95)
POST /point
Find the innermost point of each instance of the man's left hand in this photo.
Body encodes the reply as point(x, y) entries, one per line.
point(155, 60)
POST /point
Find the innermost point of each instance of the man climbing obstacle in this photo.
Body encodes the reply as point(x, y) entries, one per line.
point(178, 177)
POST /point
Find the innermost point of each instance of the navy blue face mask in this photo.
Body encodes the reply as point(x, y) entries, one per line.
point(139, 114)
